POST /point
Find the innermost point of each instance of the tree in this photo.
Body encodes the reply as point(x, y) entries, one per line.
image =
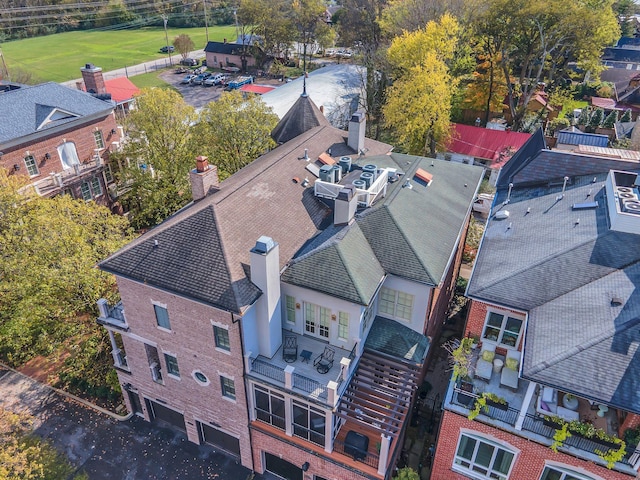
point(235, 131)
point(154, 164)
point(307, 20)
point(418, 106)
point(184, 45)
point(537, 40)
point(24, 456)
point(487, 90)
point(626, 115)
point(610, 120)
point(596, 118)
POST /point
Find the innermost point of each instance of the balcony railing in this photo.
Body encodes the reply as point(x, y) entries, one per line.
point(310, 386)
point(267, 369)
point(534, 424)
point(112, 315)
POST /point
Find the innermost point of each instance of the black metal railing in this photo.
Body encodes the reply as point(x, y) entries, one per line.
point(310, 386)
point(467, 400)
point(267, 369)
point(369, 458)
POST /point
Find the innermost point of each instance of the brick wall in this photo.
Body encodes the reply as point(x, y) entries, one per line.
point(297, 456)
point(191, 341)
point(81, 135)
point(528, 464)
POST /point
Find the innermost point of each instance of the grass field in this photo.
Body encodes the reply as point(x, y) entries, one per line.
point(59, 57)
point(151, 79)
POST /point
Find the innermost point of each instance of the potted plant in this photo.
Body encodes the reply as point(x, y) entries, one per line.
point(486, 400)
point(552, 421)
point(460, 356)
point(496, 401)
point(560, 436)
point(612, 455)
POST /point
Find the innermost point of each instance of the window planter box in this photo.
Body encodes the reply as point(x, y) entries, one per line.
point(551, 424)
point(500, 406)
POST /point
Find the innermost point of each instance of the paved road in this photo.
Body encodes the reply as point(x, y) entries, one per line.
point(109, 449)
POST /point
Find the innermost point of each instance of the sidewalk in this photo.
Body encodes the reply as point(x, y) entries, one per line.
point(110, 449)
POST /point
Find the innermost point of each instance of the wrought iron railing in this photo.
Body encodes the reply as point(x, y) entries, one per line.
point(117, 312)
point(267, 369)
point(369, 458)
point(312, 387)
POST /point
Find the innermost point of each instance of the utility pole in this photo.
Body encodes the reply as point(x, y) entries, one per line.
point(166, 37)
point(206, 22)
point(4, 71)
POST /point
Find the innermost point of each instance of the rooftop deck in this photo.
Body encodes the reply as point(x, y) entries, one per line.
point(523, 416)
point(305, 378)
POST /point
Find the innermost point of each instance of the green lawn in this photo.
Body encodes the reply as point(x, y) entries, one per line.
point(59, 57)
point(151, 79)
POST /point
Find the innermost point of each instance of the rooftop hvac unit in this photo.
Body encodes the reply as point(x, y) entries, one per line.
point(337, 173)
point(368, 178)
point(372, 169)
point(361, 184)
point(625, 197)
point(632, 206)
point(345, 164)
point(624, 190)
point(326, 173)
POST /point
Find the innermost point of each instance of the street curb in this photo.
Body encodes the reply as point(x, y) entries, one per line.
point(71, 396)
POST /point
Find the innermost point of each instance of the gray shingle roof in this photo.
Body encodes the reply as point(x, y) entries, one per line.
point(392, 338)
point(260, 199)
point(302, 116)
point(343, 265)
point(563, 266)
point(414, 231)
point(37, 102)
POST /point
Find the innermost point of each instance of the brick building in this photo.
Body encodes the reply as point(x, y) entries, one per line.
point(555, 309)
point(59, 139)
point(284, 316)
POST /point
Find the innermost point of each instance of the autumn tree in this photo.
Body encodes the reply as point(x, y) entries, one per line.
point(307, 20)
point(184, 45)
point(234, 131)
point(155, 162)
point(418, 106)
point(537, 40)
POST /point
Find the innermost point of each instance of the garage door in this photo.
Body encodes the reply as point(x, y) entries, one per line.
point(219, 439)
point(282, 468)
point(157, 411)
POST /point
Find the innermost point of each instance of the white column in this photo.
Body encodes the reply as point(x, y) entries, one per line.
point(288, 416)
point(385, 443)
point(525, 405)
point(247, 362)
point(103, 307)
point(332, 394)
point(115, 351)
point(328, 432)
point(288, 377)
point(345, 363)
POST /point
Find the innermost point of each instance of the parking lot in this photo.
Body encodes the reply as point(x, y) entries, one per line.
point(195, 95)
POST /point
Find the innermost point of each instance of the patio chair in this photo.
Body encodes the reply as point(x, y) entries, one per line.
point(484, 366)
point(324, 361)
point(290, 349)
point(509, 376)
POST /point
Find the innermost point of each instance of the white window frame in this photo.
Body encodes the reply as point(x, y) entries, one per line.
point(320, 323)
point(395, 309)
point(31, 160)
point(490, 471)
point(290, 304)
point(343, 325)
point(166, 361)
point(223, 391)
point(568, 470)
point(99, 139)
point(501, 331)
point(219, 328)
point(198, 381)
point(155, 314)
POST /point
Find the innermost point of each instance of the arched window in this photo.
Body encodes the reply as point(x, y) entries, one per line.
point(68, 155)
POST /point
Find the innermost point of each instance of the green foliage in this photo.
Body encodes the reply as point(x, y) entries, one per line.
point(24, 456)
point(558, 124)
point(460, 357)
point(583, 119)
point(480, 404)
point(49, 248)
point(461, 285)
point(560, 436)
point(610, 120)
point(156, 160)
point(612, 456)
point(234, 131)
point(596, 118)
point(407, 473)
point(626, 116)
point(632, 436)
point(606, 90)
point(184, 45)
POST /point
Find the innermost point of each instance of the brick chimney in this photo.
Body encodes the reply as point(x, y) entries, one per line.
point(204, 178)
point(357, 128)
point(93, 80)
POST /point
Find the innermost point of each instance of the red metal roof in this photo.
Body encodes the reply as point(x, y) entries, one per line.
point(260, 89)
point(494, 145)
point(121, 89)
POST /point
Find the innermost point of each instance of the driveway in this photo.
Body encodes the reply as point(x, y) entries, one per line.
point(106, 448)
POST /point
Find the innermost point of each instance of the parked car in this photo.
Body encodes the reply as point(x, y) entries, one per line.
point(188, 79)
point(216, 79)
point(167, 49)
point(181, 70)
point(189, 62)
point(199, 70)
point(199, 80)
